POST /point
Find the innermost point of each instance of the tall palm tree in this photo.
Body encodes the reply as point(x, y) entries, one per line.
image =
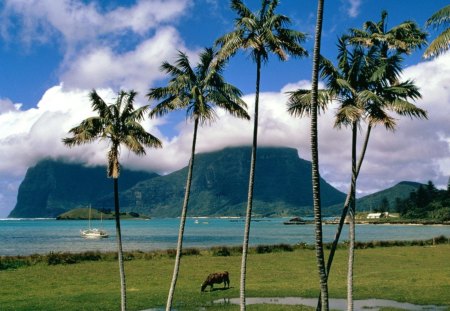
point(442, 42)
point(261, 33)
point(383, 42)
point(117, 123)
point(367, 86)
point(401, 39)
point(346, 83)
point(197, 90)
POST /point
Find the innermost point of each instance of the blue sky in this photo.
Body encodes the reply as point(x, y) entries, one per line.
point(53, 52)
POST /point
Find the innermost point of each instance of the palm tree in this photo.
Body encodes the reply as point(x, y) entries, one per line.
point(403, 38)
point(117, 123)
point(197, 90)
point(386, 47)
point(366, 83)
point(262, 33)
point(315, 161)
point(442, 42)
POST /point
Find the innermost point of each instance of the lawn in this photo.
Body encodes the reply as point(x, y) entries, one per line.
point(414, 274)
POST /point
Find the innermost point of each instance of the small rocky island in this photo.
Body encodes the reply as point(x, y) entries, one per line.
point(82, 213)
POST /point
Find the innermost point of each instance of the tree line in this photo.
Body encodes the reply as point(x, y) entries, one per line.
point(427, 202)
point(366, 82)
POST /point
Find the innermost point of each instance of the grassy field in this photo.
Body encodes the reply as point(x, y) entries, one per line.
point(414, 274)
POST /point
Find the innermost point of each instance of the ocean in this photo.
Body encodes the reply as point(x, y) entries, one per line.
point(42, 236)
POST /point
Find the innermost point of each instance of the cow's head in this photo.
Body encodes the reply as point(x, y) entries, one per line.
point(203, 286)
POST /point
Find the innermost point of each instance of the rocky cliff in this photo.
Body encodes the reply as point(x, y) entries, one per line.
point(219, 187)
point(220, 184)
point(53, 187)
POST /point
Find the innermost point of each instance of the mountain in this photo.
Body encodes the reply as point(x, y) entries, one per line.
point(53, 187)
point(220, 183)
point(373, 201)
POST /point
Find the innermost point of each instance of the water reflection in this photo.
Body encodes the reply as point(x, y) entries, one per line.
point(337, 304)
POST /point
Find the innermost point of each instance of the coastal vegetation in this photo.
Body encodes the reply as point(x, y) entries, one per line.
point(416, 273)
point(426, 203)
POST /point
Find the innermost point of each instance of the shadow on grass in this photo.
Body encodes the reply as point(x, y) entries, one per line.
point(218, 289)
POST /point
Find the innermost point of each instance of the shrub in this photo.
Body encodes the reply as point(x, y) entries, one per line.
point(221, 251)
point(262, 249)
point(191, 252)
point(61, 258)
point(12, 263)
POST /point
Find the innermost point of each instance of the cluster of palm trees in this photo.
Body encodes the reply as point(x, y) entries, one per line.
point(366, 83)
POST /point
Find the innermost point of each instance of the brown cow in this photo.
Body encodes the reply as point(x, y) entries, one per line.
point(218, 278)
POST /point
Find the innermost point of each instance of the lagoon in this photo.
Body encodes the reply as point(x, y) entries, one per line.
point(42, 236)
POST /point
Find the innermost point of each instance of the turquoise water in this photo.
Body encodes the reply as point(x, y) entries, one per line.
point(23, 237)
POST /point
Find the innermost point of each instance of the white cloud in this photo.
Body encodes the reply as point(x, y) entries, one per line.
point(78, 22)
point(352, 7)
point(7, 105)
point(121, 47)
point(417, 151)
point(137, 68)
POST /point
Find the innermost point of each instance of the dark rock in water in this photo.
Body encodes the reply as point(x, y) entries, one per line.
point(295, 221)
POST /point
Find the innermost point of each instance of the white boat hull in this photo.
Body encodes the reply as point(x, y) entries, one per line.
point(93, 233)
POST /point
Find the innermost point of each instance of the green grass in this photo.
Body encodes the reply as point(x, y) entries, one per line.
point(415, 274)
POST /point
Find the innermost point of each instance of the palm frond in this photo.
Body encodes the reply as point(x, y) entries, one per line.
point(405, 108)
point(98, 104)
point(199, 91)
point(439, 45)
point(241, 9)
point(379, 116)
point(229, 44)
point(347, 115)
point(299, 102)
point(118, 123)
point(441, 17)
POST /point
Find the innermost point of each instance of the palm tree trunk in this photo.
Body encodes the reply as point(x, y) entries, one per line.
point(347, 205)
point(251, 183)
point(123, 293)
point(351, 247)
point(315, 162)
point(176, 267)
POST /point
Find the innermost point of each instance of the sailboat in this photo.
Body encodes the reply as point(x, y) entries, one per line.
point(93, 233)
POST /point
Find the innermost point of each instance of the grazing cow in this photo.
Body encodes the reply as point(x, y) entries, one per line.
point(218, 278)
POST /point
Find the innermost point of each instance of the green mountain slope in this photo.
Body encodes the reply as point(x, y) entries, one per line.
point(220, 182)
point(52, 187)
point(374, 201)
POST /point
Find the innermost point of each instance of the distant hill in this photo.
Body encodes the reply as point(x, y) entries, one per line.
point(401, 190)
point(220, 183)
point(373, 201)
point(53, 187)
